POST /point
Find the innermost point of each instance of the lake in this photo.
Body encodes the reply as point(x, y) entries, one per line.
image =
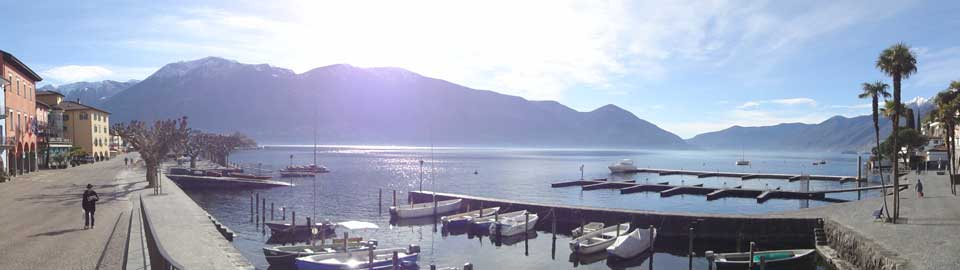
point(350, 192)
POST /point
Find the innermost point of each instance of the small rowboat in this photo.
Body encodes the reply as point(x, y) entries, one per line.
point(464, 218)
point(588, 228)
point(282, 227)
point(425, 209)
point(598, 241)
point(381, 259)
point(286, 255)
point(483, 223)
point(514, 225)
point(632, 244)
point(772, 257)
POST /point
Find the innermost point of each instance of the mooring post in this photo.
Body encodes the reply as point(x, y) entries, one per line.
point(581, 225)
point(309, 230)
point(496, 224)
point(763, 262)
point(553, 225)
point(650, 236)
point(709, 255)
point(859, 173)
point(468, 266)
point(394, 197)
point(346, 237)
point(271, 211)
point(690, 249)
point(293, 221)
point(251, 207)
point(380, 201)
point(263, 216)
point(750, 262)
point(396, 260)
point(257, 218)
point(526, 228)
point(370, 257)
point(283, 212)
point(433, 267)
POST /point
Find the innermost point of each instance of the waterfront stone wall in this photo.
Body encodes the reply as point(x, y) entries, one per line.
point(860, 251)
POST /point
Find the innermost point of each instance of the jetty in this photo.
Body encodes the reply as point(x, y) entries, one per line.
point(748, 176)
point(220, 182)
point(713, 193)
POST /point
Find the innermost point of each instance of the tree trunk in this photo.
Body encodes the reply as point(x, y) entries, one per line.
point(896, 147)
point(151, 174)
point(883, 182)
point(193, 162)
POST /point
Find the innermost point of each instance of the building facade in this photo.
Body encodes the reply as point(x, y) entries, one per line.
point(20, 109)
point(54, 146)
point(3, 124)
point(87, 127)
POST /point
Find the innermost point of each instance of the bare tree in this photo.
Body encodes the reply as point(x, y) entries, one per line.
point(193, 145)
point(153, 143)
point(218, 147)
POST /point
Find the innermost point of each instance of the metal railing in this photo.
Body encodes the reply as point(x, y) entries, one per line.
point(159, 258)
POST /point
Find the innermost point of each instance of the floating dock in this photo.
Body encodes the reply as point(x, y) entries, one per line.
point(713, 193)
point(708, 226)
point(748, 176)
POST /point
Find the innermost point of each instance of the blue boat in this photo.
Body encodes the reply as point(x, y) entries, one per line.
point(369, 259)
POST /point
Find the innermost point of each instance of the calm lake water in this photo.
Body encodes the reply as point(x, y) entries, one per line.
point(350, 192)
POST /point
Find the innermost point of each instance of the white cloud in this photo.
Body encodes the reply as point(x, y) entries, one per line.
point(75, 73)
point(795, 101)
point(749, 105)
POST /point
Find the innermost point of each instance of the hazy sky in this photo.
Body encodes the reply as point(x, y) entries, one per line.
point(687, 66)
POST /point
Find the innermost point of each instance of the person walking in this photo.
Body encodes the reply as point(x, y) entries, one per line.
point(919, 188)
point(90, 199)
point(126, 161)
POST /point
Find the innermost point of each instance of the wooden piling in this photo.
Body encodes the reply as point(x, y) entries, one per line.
point(394, 197)
point(257, 218)
point(526, 228)
point(468, 266)
point(271, 211)
point(763, 262)
point(283, 212)
point(263, 216)
point(251, 207)
point(370, 258)
point(750, 262)
point(690, 249)
point(347, 237)
point(709, 254)
point(309, 230)
point(396, 260)
point(380, 201)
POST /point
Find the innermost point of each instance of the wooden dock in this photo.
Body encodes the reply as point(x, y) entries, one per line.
point(747, 176)
point(713, 193)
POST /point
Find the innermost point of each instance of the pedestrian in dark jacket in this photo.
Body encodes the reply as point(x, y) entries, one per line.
point(90, 199)
point(919, 188)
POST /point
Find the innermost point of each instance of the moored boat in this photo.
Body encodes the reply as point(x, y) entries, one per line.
point(286, 255)
point(599, 240)
point(772, 257)
point(484, 223)
point(622, 166)
point(465, 218)
point(633, 243)
point(587, 228)
point(248, 176)
point(514, 225)
point(425, 209)
point(309, 168)
point(367, 259)
point(283, 227)
point(296, 174)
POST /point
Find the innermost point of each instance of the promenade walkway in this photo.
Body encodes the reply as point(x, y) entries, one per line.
point(927, 237)
point(42, 224)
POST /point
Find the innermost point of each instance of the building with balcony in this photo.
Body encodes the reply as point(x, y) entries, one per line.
point(53, 147)
point(87, 127)
point(20, 110)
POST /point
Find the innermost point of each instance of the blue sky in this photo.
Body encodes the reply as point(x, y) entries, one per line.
point(687, 66)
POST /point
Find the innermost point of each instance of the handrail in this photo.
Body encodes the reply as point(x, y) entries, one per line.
point(164, 260)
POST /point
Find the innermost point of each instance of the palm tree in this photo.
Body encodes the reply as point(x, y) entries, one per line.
point(876, 91)
point(899, 63)
point(948, 103)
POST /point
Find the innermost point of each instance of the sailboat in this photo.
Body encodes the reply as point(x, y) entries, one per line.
point(742, 161)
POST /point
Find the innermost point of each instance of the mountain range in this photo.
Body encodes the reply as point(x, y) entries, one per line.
point(343, 104)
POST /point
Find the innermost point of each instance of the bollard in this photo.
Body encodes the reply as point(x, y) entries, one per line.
point(763, 262)
point(709, 254)
point(271, 211)
point(251, 207)
point(618, 230)
point(396, 261)
point(468, 266)
point(750, 262)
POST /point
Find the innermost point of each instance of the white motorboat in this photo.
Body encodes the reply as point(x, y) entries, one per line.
point(464, 218)
point(599, 240)
point(622, 166)
point(772, 257)
point(286, 255)
point(632, 244)
point(587, 228)
point(743, 162)
point(425, 209)
point(483, 223)
point(514, 225)
point(364, 259)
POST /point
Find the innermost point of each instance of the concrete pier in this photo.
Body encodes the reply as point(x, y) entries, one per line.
point(712, 193)
point(747, 176)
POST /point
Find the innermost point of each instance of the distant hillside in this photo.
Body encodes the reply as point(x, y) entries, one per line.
point(835, 134)
point(346, 104)
point(91, 93)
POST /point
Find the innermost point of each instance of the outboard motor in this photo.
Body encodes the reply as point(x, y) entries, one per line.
point(372, 242)
point(413, 249)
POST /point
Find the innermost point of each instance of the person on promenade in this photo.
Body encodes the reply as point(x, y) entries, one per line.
point(90, 199)
point(919, 188)
point(126, 161)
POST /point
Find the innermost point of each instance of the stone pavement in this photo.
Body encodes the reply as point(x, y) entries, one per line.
point(927, 237)
point(42, 223)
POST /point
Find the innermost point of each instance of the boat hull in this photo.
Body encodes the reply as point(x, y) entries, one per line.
point(728, 260)
point(598, 241)
point(483, 224)
point(383, 260)
point(213, 182)
point(632, 244)
point(426, 209)
point(515, 226)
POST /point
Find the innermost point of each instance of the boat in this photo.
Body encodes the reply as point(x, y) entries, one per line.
point(484, 223)
point(465, 218)
point(296, 174)
point(599, 240)
point(309, 168)
point(425, 209)
point(514, 225)
point(588, 228)
point(186, 181)
point(822, 161)
point(633, 244)
point(742, 161)
point(773, 257)
point(286, 255)
point(369, 259)
point(248, 176)
point(283, 227)
point(622, 166)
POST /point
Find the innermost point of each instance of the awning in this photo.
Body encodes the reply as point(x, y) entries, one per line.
point(357, 225)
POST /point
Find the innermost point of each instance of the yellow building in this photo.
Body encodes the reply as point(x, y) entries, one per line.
point(88, 127)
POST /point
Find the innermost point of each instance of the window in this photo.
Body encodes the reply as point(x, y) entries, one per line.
point(84, 116)
point(64, 129)
point(66, 117)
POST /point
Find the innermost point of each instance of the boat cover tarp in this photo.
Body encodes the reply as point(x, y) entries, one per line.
point(357, 225)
